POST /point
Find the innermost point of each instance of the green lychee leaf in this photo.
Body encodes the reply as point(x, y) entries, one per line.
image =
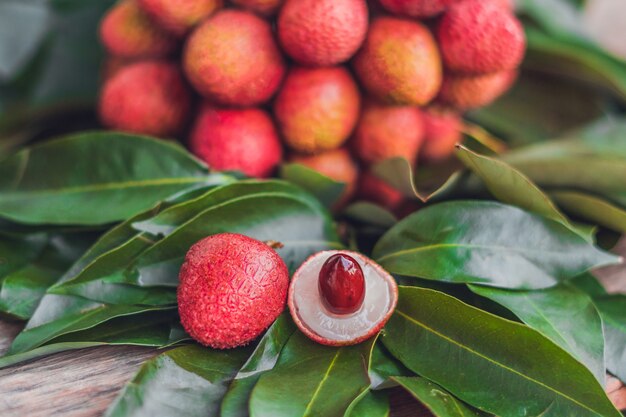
point(312, 379)
point(188, 381)
point(613, 312)
point(370, 214)
point(491, 363)
point(563, 314)
point(487, 243)
point(371, 404)
point(96, 178)
point(325, 189)
point(591, 208)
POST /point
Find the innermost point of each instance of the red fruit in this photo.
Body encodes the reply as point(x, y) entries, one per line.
point(232, 58)
point(127, 32)
point(417, 8)
point(232, 287)
point(236, 139)
point(263, 7)
point(322, 32)
point(399, 62)
point(442, 131)
point(468, 91)
point(388, 131)
point(317, 108)
point(179, 16)
point(112, 65)
point(147, 97)
point(378, 191)
point(373, 288)
point(481, 36)
point(341, 284)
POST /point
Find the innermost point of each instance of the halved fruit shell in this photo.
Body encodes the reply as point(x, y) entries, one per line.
point(319, 324)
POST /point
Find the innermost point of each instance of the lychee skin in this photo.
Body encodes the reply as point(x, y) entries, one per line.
point(479, 36)
point(322, 32)
point(232, 287)
point(378, 191)
point(399, 62)
point(237, 139)
point(179, 16)
point(417, 8)
point(262, 7)
point(126, 31)
point(232, 58)
point(442, 131)
point(469, 91)
point(317, 108)
point(386, 132)
point(148, 97)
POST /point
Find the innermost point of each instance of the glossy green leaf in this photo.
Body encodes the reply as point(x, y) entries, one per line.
point(372, 404)
point(370, 214)
point(503, 363)
point(99, 177)
point(589, 284)
point(563, 314)
point(188, 381)
point(18, 251)
point(488, 243)
point(591, 208)
point(613, 312)
point(327, 190)
point(438, 401)
point(383, 367)
point(312, 380)
point(263, 359)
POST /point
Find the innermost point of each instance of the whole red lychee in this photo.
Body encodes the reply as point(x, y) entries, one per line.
point(388, 131)
point(317, 108)
point(376, 190)
point(442, 131)
point(236, 139)
point(127, 32)
point(417, 8)
point(232, 287)
point(179, 16)
point(399, 62)
point(147, 97)
point(232, 58)
point(322, 32)
point(263, 7)
point(480, 36)
point(469, 91)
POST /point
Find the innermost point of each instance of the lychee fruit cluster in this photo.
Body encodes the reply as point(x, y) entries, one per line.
point(337, 85)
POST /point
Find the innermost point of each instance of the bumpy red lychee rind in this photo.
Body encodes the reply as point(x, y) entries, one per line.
point(179, 16)
point(417, 8)
point(399, 62)
point(479, 36)
point(127, 32)
point(471, 91)
point(232, 58)
point(232, 287)
point(317, 108)
point(388, 131)
point(316, 337)
point(322, 32)
point(376, 190)
point(236, 139)
point(148, 97)
point(442, 131)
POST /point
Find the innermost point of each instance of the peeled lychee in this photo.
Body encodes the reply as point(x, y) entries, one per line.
point(322, 32)
point(232, 58)
point(340, 298)
point(399, 62)
point(232, 287)
point(442, 131)
point(179, 16)
point(263, 7)
point(236, 139)
point(388, 131)
point(417, 8)
point(336, 164)
point(147, 97)
point(317, 108)
point(469, 91)
point(376, 190)
point(127, 32)
point(479, 36)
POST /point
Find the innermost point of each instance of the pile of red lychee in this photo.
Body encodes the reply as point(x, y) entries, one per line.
point(337, 85)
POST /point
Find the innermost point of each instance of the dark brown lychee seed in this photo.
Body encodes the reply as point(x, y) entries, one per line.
point(341, 284)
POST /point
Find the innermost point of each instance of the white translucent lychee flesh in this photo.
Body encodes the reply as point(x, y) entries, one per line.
point(323, 326)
